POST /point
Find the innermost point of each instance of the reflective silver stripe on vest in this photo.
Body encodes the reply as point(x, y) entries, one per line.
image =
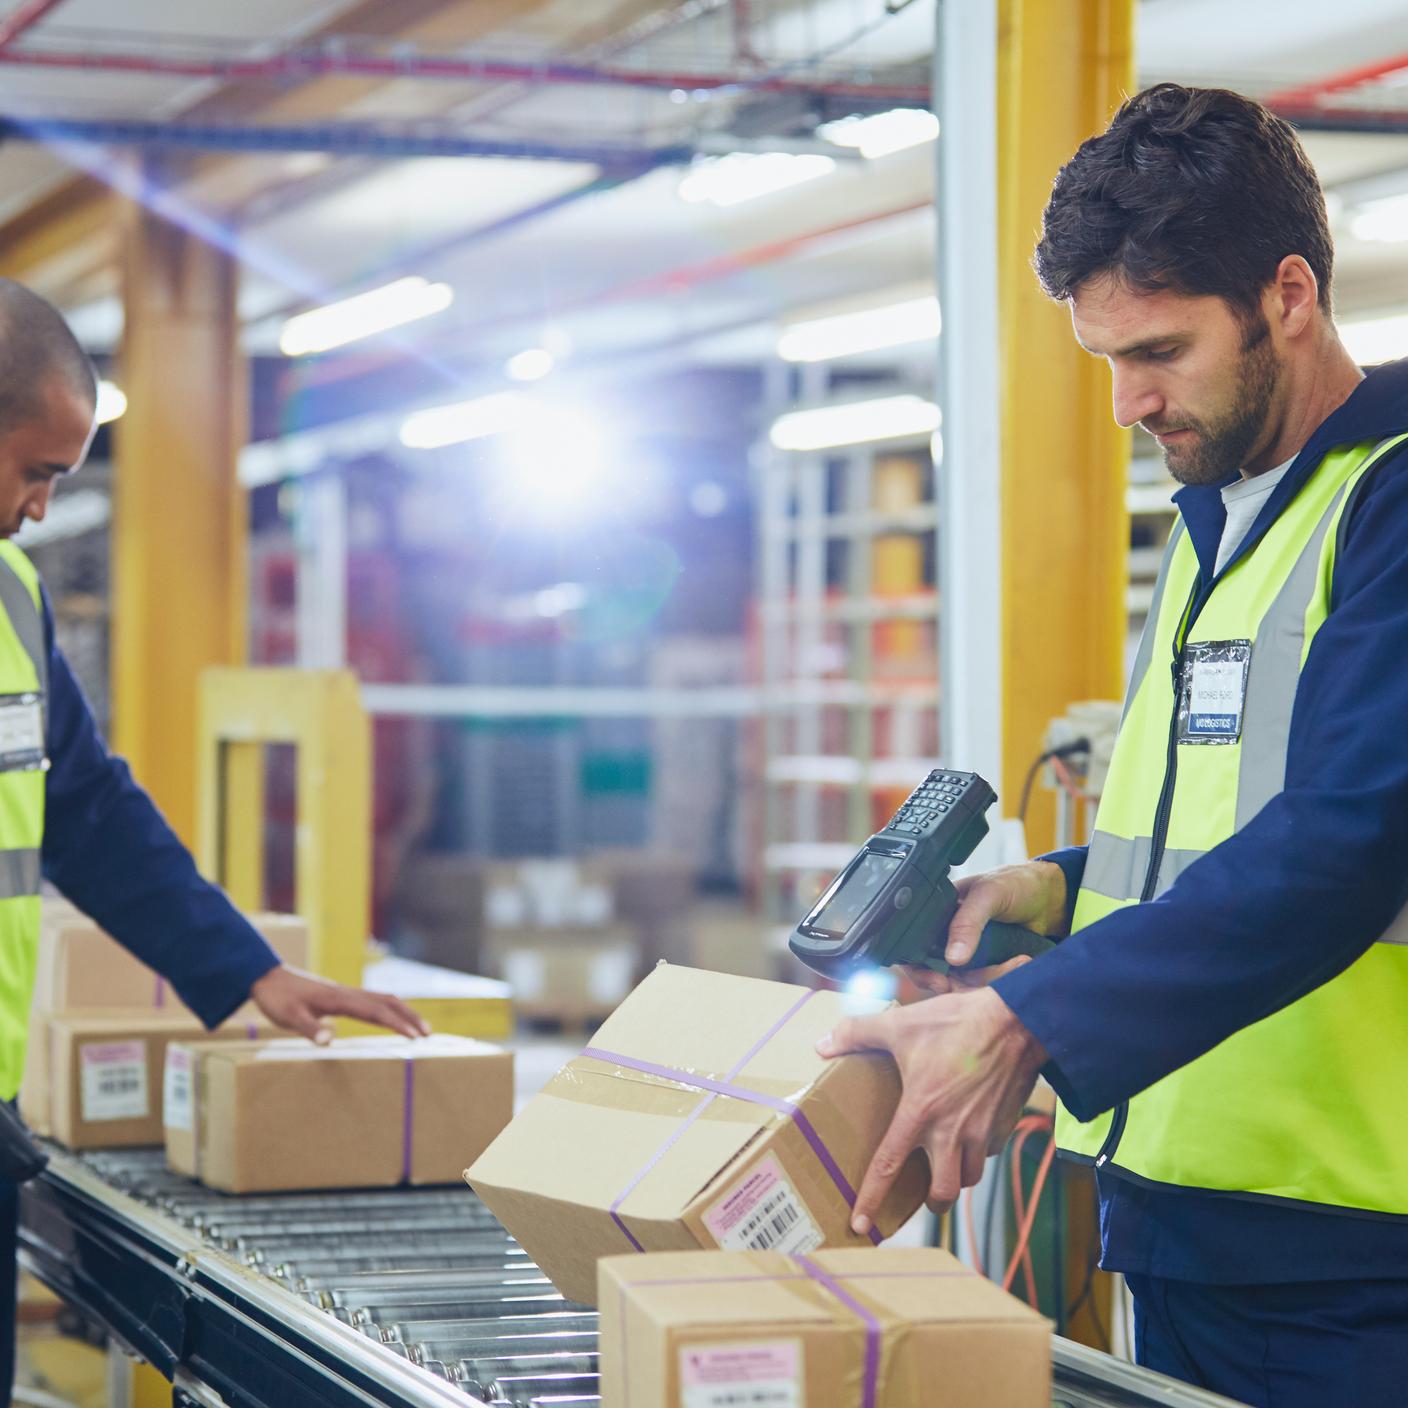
point(1116, 868)
point(19, 874)
point(28, 623)
point(1145, 652)
point(1274, 672)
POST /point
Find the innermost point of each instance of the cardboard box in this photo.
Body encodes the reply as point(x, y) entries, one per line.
point(568, 973)
point(80, 965)
point(368, 1112)
point(104, 1074)
point(726, 938)
point(686, 1328)
point(625, 1148)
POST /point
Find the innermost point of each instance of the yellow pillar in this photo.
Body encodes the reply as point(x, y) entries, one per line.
point(1064, 66)
point(179, 516)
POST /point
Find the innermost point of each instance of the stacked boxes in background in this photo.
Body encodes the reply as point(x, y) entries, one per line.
point(99, 1025)
point(386, 1110)
point(550, 934)
point(700, 1116)
point(885, 1327)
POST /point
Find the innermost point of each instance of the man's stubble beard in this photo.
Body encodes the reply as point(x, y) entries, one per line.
point(1221, 447)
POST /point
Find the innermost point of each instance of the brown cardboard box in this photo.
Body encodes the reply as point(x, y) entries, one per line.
point(81, 966)
point(726, 938)
point(105, 1073)
point(684, 1328)
point(571, 973)
point(625, 1131)
point(281, 1115)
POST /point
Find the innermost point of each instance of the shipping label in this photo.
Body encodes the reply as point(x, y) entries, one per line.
point(113, 1080)
point(763, 1212)
point(758, 1374)
point(177, 1099)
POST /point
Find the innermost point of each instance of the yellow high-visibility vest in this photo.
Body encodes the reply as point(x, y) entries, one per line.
point(23, 673)
point(1307, 1104)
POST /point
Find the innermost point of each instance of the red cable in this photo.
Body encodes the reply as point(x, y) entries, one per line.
point(1019, 1208)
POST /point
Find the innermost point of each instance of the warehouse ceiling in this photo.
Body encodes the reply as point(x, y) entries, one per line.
point(530, 153)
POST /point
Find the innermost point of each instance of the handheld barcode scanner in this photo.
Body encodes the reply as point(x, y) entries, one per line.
point(892, 904)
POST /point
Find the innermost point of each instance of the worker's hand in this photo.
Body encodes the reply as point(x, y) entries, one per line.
point(302, 1003)
point(968, 1066)
point(1032, 894)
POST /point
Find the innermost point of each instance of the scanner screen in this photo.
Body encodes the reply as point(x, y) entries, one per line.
point(862, 883)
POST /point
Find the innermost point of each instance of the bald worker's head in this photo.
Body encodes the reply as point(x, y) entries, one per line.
point(48, 398)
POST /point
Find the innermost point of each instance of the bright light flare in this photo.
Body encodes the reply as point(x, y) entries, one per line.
point(112, 402)
point(866, 330)
point(857, 423)
point(741, 176)
point(882, 133)
point(532, 364)
point(364, 315)
point(1374, 340)
point(464, 420)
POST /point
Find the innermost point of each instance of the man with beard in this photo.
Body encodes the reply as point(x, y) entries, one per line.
point(1226, 1017)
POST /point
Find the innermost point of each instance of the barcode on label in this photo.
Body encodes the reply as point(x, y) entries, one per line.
point(114, 1081)
point(763, 1212)
point(177, 1106)
point(772, 1221)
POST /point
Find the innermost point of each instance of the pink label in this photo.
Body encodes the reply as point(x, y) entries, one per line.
point(113, 1053)
point(765, 1373)
point(763, 1213)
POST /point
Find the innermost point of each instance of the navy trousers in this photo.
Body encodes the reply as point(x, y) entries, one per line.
point(9, 1239)
point(1315, 1344)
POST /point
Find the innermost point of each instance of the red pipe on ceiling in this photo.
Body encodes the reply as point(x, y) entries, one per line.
point(26, 17)
point(297, 65)
point(1310, 95)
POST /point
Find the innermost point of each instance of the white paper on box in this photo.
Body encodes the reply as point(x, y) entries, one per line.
point(763, 1212)
point(177, 1104)
point(754, 1374)
point(113, 1084)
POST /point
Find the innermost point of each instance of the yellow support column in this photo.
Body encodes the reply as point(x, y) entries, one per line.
point(179, 516)
point(1064, 66)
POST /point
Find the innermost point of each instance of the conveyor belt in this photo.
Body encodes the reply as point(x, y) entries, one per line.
point(408, 1298)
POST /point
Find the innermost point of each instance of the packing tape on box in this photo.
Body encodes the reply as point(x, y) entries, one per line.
point(828, 1281)
point(727, 1087)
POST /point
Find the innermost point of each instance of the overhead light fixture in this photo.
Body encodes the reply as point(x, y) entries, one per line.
point(1370, 341)
point(532, 364)
point(882, 133)
point(740, 176)
point(827, 427)
point(464, 420)
point(364, 315)
point(1380, 221)
point(112, 402)
point(867, 330)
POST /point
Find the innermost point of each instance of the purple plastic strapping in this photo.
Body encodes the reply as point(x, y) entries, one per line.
point(409, 1120)
point(251, 1031)
point(870, 1382)
point(160, 994)
point(736, 1092)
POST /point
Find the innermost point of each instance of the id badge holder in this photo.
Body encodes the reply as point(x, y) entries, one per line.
point(1212, 692)
point(22, 733)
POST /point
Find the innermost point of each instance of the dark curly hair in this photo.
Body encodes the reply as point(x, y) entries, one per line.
point(1198, 190)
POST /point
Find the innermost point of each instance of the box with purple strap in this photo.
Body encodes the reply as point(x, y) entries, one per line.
point(700, 1116)
point(851, 1328)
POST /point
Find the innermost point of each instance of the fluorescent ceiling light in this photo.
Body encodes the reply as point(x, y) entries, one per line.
point(740, 176)
point(532, 364)
point(887, 418)
point(111, 402)
point(1373, 340)
point(1383, 220)
point(845, 334)
point(364, 315)
point(882, 132)
point(465, 420)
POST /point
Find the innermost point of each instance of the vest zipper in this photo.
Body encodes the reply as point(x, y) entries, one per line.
point(1159, 837)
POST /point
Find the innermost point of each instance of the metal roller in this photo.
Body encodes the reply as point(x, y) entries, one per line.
point(537, 1388)
point(450, 1305)
point(559, 1319)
